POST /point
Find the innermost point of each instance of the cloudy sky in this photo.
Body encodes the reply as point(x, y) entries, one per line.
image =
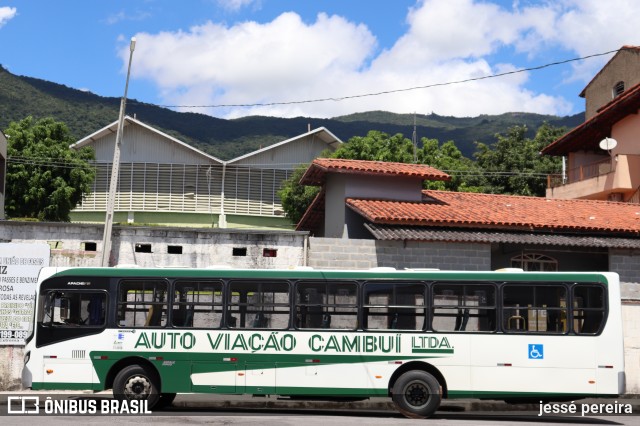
point(209, 55)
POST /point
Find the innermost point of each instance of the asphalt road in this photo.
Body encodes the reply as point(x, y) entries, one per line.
point(245, 410)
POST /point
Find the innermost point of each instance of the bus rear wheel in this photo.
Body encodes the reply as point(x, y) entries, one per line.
point(136, 382)
point(416, 394)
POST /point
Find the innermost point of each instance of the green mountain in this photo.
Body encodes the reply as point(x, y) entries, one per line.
point(85, 113)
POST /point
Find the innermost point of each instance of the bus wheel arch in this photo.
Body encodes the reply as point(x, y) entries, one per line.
point(125, 362)
point(423, 366)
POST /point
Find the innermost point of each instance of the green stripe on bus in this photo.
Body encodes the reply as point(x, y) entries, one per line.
point(432, 351)
point(285, 360)
point(66, 386)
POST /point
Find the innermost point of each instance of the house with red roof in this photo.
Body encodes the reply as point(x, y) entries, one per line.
point(603, 156)
point(411, 227)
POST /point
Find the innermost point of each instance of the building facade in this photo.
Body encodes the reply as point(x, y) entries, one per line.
point(165, 181)
point(602, 154)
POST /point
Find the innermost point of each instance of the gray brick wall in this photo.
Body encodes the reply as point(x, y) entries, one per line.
point(626, 263)
point(337, 253)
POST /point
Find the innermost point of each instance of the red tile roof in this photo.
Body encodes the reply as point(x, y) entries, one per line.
point(588, 135)
point(316, 173)
point(461, 209)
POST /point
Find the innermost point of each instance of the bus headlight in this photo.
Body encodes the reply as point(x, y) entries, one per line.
point(27, 357)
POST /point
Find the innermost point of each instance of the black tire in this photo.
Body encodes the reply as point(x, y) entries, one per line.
point(417, 394)
point(139, 383)
point(166, 399)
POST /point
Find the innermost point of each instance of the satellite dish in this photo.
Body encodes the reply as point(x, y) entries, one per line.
point(608, 144)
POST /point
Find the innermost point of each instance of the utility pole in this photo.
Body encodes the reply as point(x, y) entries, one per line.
point(115, 167)
point(414, 139)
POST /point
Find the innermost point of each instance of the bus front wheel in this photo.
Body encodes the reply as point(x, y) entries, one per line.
point(417, 394)
point(136, 382)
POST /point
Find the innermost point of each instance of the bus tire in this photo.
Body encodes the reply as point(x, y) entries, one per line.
point(136, 382)
point(417, 394)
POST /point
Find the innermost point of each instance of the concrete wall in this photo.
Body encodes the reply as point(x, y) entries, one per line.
point(341, 186)
point(200, 247)
point(622, 67)
point(338, 253)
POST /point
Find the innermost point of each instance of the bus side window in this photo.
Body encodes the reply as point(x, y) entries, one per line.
point(534, 308)
point(394, 305)
point(588, 308)
point(197, 304)
point(463, 307)
point(259, 304)
point(142, 303)
point(323, 304)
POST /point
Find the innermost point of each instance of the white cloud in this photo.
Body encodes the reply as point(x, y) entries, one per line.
point(589, 27)
point(7, 13)
point(138, 15)
point(446, 40)
point(235, 5)
point(281, 60)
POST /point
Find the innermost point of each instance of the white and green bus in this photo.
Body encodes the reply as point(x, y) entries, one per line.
point(413, 336)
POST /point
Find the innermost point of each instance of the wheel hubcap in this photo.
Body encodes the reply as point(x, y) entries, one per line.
point(417, 394)
point(137, 387)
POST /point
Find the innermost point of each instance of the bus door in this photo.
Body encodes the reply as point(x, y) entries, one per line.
point(71, 319)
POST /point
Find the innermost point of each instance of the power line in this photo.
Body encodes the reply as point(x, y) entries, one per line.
point(386, 92)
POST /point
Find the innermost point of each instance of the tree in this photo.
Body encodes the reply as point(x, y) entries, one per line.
point(377, 146)
point(465, 174)
point(297, 198)
point(513, 165)
point(45, 178)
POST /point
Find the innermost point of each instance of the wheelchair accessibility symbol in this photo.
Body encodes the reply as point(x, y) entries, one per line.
point(536, 351)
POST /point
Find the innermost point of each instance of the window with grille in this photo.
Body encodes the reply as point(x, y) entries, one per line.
point(534, 262)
